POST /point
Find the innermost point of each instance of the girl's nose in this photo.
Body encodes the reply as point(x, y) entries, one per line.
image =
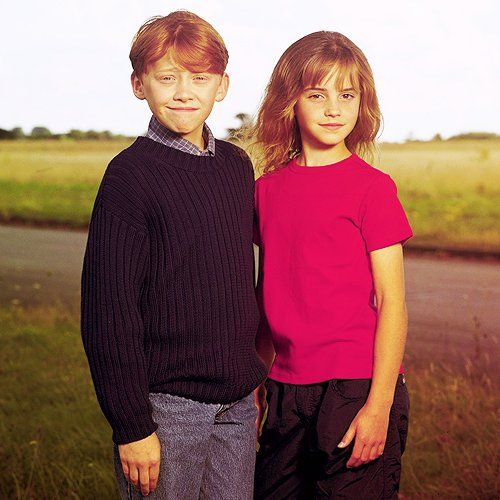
point(332, 108)
point(332, 111)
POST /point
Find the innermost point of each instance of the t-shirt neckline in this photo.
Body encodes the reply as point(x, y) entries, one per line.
point(332, 167)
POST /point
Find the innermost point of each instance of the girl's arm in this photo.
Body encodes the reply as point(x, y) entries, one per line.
point(371, 423)
point(392, 324)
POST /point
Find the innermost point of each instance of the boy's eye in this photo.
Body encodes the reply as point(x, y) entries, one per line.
point(167, 78)
point(200, 78)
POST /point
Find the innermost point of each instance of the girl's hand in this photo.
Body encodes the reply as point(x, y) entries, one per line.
point(370, 429)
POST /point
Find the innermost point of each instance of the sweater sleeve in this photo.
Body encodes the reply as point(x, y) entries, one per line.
point(112, 329)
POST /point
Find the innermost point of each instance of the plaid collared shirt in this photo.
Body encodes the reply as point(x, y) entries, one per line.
point(160, 133)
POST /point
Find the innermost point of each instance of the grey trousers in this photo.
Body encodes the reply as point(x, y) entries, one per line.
point(207, 450)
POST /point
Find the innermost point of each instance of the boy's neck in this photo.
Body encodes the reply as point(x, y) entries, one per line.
point(312, 156)
point(195, 137)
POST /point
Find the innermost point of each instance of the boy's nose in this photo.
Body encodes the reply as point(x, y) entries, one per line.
point(182, 93)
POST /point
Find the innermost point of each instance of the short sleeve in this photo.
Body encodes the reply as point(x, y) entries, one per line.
point(383, 219)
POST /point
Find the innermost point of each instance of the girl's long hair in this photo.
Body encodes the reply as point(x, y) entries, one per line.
point(275, 137)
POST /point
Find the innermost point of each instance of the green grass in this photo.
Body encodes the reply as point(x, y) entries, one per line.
point(450, 190)
point(56, 444)
point(52, 182)
point(42, 202)
point(453, 435)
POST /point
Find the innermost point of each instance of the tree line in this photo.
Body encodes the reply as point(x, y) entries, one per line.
point(244, 119)
point(17, 133)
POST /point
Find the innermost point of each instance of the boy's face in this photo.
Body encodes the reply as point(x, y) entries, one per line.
point(326, 114)
point(179, 99)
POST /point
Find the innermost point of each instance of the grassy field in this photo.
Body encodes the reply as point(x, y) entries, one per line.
point(449, 189)
point(52, 181)
point(56, 444)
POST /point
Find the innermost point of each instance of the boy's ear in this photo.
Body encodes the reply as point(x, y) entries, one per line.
point(137, 87)
point(223, 86)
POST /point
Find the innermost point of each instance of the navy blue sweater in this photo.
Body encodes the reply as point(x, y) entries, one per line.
point(168, 301)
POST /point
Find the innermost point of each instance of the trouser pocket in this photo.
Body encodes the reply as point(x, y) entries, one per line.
point(401, 410)
point(352, 389)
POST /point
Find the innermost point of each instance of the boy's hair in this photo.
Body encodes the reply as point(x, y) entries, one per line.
point(192, 43)
point(275, 137)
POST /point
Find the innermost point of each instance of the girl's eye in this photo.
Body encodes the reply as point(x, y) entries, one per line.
point(315, 97)
point(347, 97)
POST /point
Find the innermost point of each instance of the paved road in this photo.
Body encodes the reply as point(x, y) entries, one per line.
point(454, 305)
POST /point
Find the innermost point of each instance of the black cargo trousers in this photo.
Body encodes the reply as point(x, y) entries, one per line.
point(298, 456)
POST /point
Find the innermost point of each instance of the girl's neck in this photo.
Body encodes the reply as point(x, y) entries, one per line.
point(311, 156)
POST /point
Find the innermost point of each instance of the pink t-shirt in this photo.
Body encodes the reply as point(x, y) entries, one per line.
point(315, 228)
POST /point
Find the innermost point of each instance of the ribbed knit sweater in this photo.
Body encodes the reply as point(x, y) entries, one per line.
point(168, 301)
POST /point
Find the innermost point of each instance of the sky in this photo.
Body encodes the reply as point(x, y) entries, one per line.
point(65, 63)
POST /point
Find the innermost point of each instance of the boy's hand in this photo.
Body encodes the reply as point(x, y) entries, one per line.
point(370, 429)
point(259, 395)
point(141, 462)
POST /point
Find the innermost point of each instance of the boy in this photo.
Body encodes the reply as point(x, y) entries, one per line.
point(169, 314)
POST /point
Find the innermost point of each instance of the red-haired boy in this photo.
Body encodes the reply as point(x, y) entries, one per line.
point(169, 314)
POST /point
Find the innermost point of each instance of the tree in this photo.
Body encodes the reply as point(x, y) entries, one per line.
point(76, 134)
point(474, 135)
point(41, 133)
point(244, 118)
point(18, 133)
point(5, 134)
point(105, 135)
point(92, 134)
point(245, 122)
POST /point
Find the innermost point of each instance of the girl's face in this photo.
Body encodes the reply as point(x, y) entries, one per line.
point(327, 114)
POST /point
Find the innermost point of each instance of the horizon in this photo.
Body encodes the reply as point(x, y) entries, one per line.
point(432, 62)
point(116, 135)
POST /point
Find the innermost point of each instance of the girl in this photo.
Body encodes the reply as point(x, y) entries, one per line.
point(330, 229)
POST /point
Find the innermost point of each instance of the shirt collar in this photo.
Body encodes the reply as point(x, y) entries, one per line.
point(159, 133)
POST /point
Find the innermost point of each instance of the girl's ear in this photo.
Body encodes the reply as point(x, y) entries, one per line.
point(137, 87)
point(222, 89)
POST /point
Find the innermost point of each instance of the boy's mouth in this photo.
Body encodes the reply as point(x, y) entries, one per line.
point(183, 109)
